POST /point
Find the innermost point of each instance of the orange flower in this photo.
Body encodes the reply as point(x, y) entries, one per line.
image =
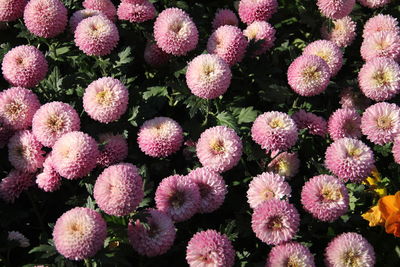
point(373, 182)
point(389, 207)
point(374, 216)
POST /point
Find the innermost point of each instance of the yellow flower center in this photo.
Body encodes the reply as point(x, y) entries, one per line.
point(105, 97)
point(352, 259)
point(384, 122)
point(354, 151)
point(268, 194)
point(324, 55)
point(276, 123)
point(13, 109)
point(382, 45)
point(176, 27)
point(283, 166)
point(330, 194)
point(208, 69)
point(382, 78)
point(311, 73)
point(218, 146)
point(55, 123)
point(293, 261)
point(275, 223)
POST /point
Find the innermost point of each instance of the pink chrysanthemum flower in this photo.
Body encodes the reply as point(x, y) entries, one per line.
point(275, 221)
point(25, 151)
point(96, 36)
point(308, 75)
point(208, 76)
point(329, 52)
point(210, 248)
point(342, 33)
point(24, 66)
point(274, 131)
point(45, 18)
point(80, 15)
point(335, 9)
point(17, 107)
point(153, 237)
point(381, 123)
point(224, 17)
point(5, 133)
point(104, 6)
point(349, 159)
point(106, 99)
point(75, 155)
point(22, 241)
point(212, 189)
point(315, 125)
point(119, 189)
point(52, 120)
point(136, 10)
point(396, 150)
point(79, 233)
point(11, 10)
point(49, 180)
point(262, 32)
point(267, 186)
point(178, 196)
point(14, 184)
point(229, 43)
point(219, 148)
point(381, 44)
point(290, 254)
point(379, 79)
point(155, 56)
point(374, 3)
point(160, 137)
point(285, 164)
point(175, 32)
point(344, 122)
point(260, 10)
point(348, 250)
point(325, 197)
point(350, 98)
point(113, 149)
point(380, 23)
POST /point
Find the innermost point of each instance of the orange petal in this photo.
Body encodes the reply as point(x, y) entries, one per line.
point(374, 216)
point(392, 224)
point(387, 205)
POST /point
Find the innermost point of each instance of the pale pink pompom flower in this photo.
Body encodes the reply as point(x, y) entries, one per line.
point(11, 10)
point(285, 164)
point(52, 120)
point(106, 99)
point(224, 17)
point(380, 23)
point(349, 159)
point(136, 11)
point(45, 18)
point(14, 184)
point(80, 15)
point(208, 76)
point(290, 254)
point(104, 6)
point(381, 44)
point(344, 122)
point(219, 148)
point(79, 233)
point(335, 9)
point(16, 236)
point(315, 125)
point(229, 43)
point(178, 196)
point(350, 98)
point(113, 149)
point(267, 186)
point(342, 33)
point(263, 33)
point(396, 150)
point(153, 237)
point(374, 3)
point(24, 66)
point(48, 180)
point(210, 248)
point(155, 56)
point(260, 10)
point(381, 123)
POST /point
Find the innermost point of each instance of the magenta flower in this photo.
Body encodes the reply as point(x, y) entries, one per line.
point(315, 125)
point(396, 150)
point(155, 56)
point(14, 184)
point(342, 33)
point(374, 3)
point(285, 164)
point(344, 122)
point(260, 10)
point(104, 6)
point(380, 23)
point(136, 10)
point(290, 254)
point(49, 180)
point(262, 32)
point(113, 149)
point(80, 15)
point(381, 44)
point(11, 10)
point(335, 9)
point(224, 17)
point(350, 98)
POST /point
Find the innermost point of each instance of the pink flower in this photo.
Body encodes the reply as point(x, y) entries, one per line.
point(374, 3)
point(24, 66)
point(263, 33)
point(285, 164)
point(75, 155)
point(52, 120)
point(335, 9)
point(11, 10)
point(396, 150)
point(14, 184)
point(45, 18)
point(349, 249)
point(274, 131)
point(219, 148)
point(275, 221)
point(175, 32)
point(380, 23)
point(212, 189)
point(49, 180)
point(379, 79)
point(96, 36)
point(308, 75)
point(160, 137)
point(260, 10)
point(113, 149)
point(224, 17)
point(155, 56)
point(119, 189)
point(104, 6)
point(153, 237)
point(325, 197)
point(349, 159)
point(80, 15)
point(342, 33)
point(344, 123)
point(290, 254)
point(381, 44)
point(79, 233)
point(267, 186)
point(210, 248)
point(315, 125)
point(229, 43)
point(136, 10)
point(208, 76)
point(350, 98)
point(106, 99)
point(178, 196)
point(329, 52)
point(381, 123)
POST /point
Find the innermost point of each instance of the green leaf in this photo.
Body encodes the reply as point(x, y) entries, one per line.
point(155, 91)
point(247, 115)
point(227, 119)
point(124, 57)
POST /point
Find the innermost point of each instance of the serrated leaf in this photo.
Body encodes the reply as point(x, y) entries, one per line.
point(247, 115)
point(124, 57)
point(227, 119)
point(155, 91)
